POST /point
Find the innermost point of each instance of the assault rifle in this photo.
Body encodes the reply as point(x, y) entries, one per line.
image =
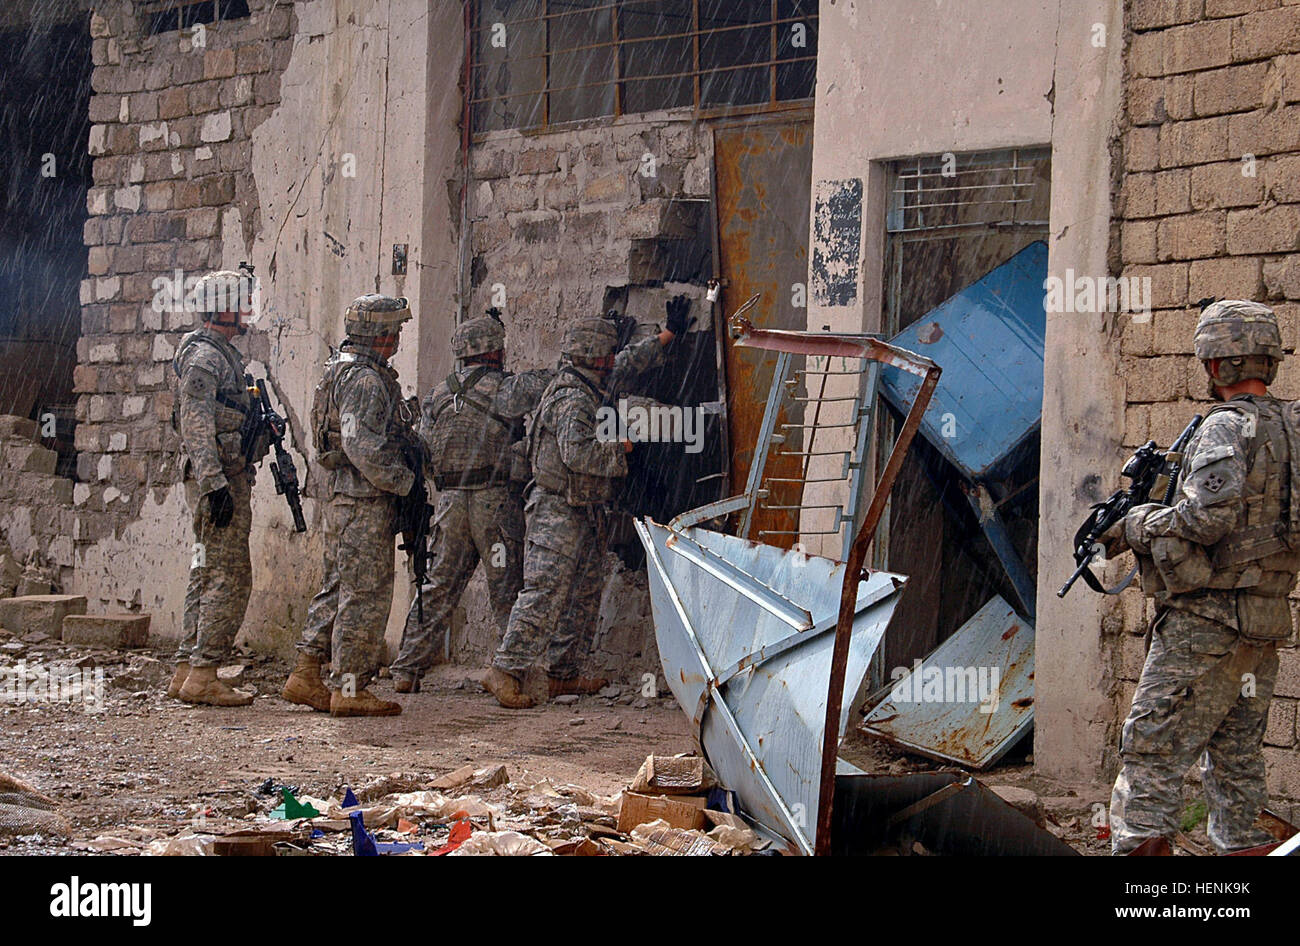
point(414, 515)
point(1153, 475)
point(263, 421)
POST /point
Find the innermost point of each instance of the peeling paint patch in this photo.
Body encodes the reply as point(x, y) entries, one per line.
point(837, 236)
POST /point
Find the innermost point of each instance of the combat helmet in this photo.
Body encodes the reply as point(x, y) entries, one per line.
point(478, 337)
point(225, 290)
point(372, 314)
point(591, 339)
point(1244, 335)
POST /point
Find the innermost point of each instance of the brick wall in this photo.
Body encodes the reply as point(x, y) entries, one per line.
point(172, 156)
point(1209, 206)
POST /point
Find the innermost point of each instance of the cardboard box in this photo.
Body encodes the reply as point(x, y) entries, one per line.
point(680, 811)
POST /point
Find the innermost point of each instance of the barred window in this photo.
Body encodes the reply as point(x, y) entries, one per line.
point(166, 16)
point(547, 62)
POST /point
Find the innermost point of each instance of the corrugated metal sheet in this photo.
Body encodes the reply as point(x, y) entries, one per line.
point(989, 339)
point(745, 634)
point(958, 727)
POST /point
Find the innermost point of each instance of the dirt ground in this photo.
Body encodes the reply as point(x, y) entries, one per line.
point(149, 761)
point(156, 765)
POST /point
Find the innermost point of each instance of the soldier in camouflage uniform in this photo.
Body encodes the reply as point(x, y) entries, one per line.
point(212, 402)
point(469, 424)
point(575, 475)
point(362, 434)
point(1219, 564)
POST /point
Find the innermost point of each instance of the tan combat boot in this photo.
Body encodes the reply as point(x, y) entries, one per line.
point(305, 685)
point(178, 681)
point(364, 703)
point(202, 686)
point(508, 690)
point(576, 686)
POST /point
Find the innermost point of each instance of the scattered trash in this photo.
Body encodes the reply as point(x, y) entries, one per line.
point(291, 809)
point(365, 845)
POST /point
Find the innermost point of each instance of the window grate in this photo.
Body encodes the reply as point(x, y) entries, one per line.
point(538, 63)
point(166, 16)
point(980, 190)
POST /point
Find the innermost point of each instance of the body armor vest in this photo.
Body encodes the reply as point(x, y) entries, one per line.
point(326, 430)
point(1262, 552)
point(234, 405)
point(469, 442)
point(548, 467)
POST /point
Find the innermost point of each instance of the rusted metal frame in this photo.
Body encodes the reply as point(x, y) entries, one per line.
point(639, 39)
point(771, 55)
point(618, 63)
point(729, 720)
point(866, 425)
point(852, 575)
point(546, 65)
point(852, 346)
point(625, 79)
point(775, 395)
point(695, 60)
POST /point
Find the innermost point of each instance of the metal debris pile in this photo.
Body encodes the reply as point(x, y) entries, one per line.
point(666, 810)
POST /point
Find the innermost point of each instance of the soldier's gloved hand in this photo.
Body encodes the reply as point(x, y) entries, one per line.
point(678, 307)
point(1134, 535)
point(221, 507)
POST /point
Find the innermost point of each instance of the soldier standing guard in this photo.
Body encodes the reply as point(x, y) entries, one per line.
point(211, 407)
point(360, 431)
point(1219, 564)
point(469, 424)
point(575, 475)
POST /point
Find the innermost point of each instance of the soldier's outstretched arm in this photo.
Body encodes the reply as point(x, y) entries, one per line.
point(633, 361)
point(197, 412)
point(1213, 488)
point(365, 438)
point(580, 450)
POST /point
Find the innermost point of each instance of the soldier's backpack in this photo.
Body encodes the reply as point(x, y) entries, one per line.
point(326, 431)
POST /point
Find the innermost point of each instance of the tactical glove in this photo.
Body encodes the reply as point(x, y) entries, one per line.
point(678, 307)
point(221, 507)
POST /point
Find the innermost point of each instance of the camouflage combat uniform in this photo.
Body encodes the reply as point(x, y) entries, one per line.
point(212, 400)
point(575, 476)
point(1219, 564)
point(367, 472)
point(479, 515)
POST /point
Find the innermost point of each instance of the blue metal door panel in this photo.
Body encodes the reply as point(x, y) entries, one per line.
point(989, 340)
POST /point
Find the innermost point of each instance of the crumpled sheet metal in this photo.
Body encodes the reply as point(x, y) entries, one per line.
point(745, 633)
point(959, 728)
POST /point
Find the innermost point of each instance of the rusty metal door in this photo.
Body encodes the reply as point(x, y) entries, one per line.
point(763, 175)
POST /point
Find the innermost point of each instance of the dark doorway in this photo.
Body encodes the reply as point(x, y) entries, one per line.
point(45, 171)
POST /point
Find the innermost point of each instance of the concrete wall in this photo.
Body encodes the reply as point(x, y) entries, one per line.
point(289, 141)
point(999, 75)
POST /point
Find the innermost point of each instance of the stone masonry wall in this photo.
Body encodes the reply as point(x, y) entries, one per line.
point(1209, 206)
point(556, 218)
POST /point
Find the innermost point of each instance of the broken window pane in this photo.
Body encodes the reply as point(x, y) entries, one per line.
point(510, 65)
